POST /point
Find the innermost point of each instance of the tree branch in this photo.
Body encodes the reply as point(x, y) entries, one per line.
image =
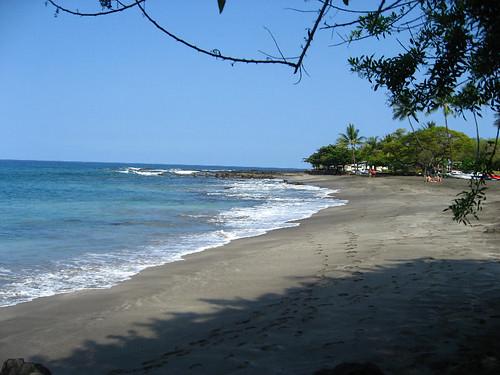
point(103, 13)
point(310, 34)
point(297, 66)
point(275, 43)
point(214, 53)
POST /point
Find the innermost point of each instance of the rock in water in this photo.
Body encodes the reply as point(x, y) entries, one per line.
point(351, 369)
point(19, 367)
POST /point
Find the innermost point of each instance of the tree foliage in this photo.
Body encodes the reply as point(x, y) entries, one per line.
point(406, 152)
point(452, 55)
point(330, 158)
point(433, 149)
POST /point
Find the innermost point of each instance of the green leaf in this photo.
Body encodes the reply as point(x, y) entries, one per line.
point(221, 5)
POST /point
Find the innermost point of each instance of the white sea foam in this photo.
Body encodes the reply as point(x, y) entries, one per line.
point(278, 205)
point(5, 272)
point(143, 171)
point(151, 172)
point(276, 211)
point(156, 172)
point(182, 172)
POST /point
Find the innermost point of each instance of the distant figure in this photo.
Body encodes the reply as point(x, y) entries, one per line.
point(372, 172)
point(438, 177)
point(433, 176)
point(431, 173)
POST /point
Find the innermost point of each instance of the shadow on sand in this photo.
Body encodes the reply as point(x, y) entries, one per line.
point(425, 316)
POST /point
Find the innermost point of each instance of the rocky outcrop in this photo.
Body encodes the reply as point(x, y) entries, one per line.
point(248, 174)
point(19, 367)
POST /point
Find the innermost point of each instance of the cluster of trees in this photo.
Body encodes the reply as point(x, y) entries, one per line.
point(429, 148)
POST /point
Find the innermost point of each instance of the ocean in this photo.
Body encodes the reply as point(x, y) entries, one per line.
point(68, 226)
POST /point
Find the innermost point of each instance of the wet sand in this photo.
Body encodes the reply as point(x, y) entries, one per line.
point(388, 278)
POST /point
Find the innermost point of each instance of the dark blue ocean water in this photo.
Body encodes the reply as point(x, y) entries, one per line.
point(67, 226)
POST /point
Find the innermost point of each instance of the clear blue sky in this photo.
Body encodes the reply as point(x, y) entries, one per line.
point(115, 89)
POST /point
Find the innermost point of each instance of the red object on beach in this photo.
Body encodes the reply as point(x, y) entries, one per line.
point(494, 176)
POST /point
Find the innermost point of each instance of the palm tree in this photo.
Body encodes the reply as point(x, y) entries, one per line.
point(430, 125)
point(401, 111)
point(369, 148)
point(497, 125)
point(447, 111)
point(372, 142)
point(444, 103)
point(351, 139)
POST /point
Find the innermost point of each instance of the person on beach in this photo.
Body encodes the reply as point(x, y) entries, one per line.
point(439, 179)
point(430, 175)
point(433, 176)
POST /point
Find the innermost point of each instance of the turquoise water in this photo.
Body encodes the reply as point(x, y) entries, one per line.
point(68, 226)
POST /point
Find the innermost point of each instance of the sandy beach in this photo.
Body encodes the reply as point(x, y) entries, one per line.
point(387, 278)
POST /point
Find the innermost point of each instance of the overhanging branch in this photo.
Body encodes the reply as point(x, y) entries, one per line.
point(95, 14)
point(310, 34)
point(297, 66)
point(214, 53)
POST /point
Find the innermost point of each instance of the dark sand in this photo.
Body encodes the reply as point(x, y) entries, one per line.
point(388, 278)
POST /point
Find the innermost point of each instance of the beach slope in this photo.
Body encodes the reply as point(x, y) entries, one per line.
point(387, 278)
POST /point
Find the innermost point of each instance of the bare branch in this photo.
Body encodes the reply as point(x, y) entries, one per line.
point(214, 53)
point(301, 10)
point(277, 57)
point(103, 13)
point(275, 43)
point(310, 34)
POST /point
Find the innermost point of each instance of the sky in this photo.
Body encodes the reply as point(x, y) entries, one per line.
point(115, 89)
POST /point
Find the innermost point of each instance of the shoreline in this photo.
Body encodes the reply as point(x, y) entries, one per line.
point(217, 306)
point(226, 239)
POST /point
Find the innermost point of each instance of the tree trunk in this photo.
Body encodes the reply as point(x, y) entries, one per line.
point(477, 137)
point(448, 138)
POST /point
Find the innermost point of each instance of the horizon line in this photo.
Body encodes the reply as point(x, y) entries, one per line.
point(148, 163)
